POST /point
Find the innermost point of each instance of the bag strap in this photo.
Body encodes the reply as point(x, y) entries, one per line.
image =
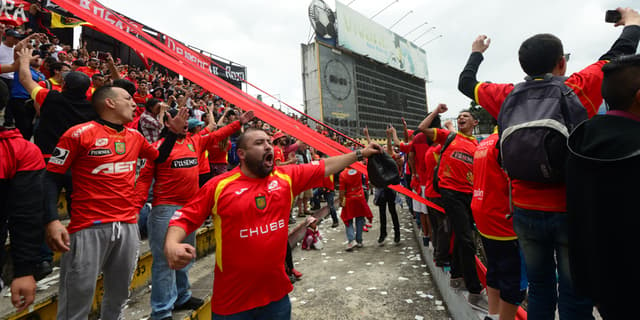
point(452, 135)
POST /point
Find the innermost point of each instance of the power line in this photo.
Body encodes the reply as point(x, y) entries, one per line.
point(383, 9)
point(422, 34)
point(401, 18)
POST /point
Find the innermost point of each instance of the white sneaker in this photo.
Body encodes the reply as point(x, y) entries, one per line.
point(350, 245)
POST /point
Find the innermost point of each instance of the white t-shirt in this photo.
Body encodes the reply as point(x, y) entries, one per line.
point(6, 57)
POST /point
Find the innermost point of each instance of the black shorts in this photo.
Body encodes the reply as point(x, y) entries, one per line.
point(505, 269)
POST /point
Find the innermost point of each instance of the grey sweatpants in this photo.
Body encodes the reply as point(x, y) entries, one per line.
point(110, 248)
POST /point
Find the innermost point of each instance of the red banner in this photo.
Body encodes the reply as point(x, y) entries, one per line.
point(119, 28)
point(14, 12)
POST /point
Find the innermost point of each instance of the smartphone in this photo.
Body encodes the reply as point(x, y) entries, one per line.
point(612, 16)
point(102, 55)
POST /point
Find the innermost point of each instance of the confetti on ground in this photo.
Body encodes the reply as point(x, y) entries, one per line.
point(408, 301)
point(350, 271)
point(333, 277)
point(384, 293)
point(438, 302)
point(429, 296)
point(348, 288)
point(419, 292)
point(381, 262)
point(340, 260)
point(440, 308)
point(419, 318)
point(403, 278)
point(293, 299)
point(311, 290)
point(425, 273)
point(372, 288)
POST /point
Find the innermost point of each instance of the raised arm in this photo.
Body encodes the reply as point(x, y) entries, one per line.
point(24, 58)
point(467, 81)
point(335, 164)
point(365, 131)
point(424, 125)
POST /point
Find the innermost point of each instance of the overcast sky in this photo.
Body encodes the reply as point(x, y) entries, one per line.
point(265, 35)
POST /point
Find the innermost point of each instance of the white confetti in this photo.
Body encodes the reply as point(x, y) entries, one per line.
point(419, 292)
point(303, 302)
point(438, 302)
point(422, 295)
point(384, 293)
point(311, 290)
point(323, 254)
point(425, 273)
point(381, 262)
point(293, 299)
point(404, 262)
point(440, 308)
point(324, 261)
point(333, 277)
point(372, 288)
point(368, 263)
point(430, 297)
point(408, 301)
point(419, 318)
point(403, 278)
point(348, 288)
point(423, 265)
point(340, 260)
point(350, 271)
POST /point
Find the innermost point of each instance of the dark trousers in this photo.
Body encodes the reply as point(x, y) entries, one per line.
point(441, 233)
point(457, 205)
point(388, 199)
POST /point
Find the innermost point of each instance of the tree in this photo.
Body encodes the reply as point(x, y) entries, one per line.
point(486, 122)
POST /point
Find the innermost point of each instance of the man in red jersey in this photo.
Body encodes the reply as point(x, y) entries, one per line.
point(354, 207)
point(21, 168)
point(176, 182)
point(455, 174)
point(490, 207)
point(102, 235)
point(539, 213)
point(250, 207)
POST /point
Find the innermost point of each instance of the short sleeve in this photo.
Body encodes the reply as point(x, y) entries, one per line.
point(192, 215)
point(67, 149)
point(491, 96)
point(39, 94)
point(307, 176)
point(440, 135)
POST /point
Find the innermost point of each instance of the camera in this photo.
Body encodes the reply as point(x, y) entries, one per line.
point(612, 16)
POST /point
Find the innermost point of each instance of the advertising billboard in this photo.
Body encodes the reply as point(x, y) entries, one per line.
point(363, 36)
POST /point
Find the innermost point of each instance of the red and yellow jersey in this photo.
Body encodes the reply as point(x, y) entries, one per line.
point(140, 99)
point(251, 230)
point(431, 158)
point(177, 177)
point(419, 146)
point(278, 155)
point(541, 196)
point(490, 202)
point(103, 164)
point(53, 83)
point(87, 70)
point(456, 165)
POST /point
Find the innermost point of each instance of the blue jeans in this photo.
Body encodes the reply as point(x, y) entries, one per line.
point(329, 195)
point(544, 239)
point(168, 286)
point(280, 310)
point(358, 232)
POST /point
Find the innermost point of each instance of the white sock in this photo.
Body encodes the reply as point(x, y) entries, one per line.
point(493, 316)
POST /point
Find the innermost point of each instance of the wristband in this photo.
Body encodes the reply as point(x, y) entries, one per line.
point(359, 156)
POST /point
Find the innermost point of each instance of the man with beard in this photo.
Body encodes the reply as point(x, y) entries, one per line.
point(250, 208)
point(176, 182)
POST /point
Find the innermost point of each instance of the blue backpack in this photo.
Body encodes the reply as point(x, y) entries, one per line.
point(534, 123)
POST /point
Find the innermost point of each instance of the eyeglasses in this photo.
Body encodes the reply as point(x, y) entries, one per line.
point(567, 56)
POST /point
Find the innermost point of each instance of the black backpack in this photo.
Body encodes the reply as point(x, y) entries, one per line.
point(534, 122)
point(436, 180)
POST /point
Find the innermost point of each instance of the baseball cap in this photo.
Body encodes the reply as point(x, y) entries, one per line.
point(192, 123)
point(13, 33)
point(277, 136)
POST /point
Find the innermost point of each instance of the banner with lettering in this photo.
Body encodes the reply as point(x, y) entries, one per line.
point(14, 12)
point(116, 27)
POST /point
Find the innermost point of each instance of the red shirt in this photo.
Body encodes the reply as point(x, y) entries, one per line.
point(218, 155)
point(431, 159)
point(490, 202)
point(250, 219)
point(419, 145)
point(177, 177)
point(88, 70)
point(541, 196)
point(355, 203)
point(140, 99)
point(456, 165)
point(278, 155)
point(103, 165)
point(54, 85)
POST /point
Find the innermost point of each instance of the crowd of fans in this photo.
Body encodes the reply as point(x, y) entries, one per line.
point(204, 158)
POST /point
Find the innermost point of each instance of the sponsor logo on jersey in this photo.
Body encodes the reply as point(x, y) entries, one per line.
point(464, 157)
point(99, 152)
point(80, 130)
point(102, 142)
point(115, 167)
point(241, 191)
point(190, 146)
point(184, 163)
point(59, 156)
point(263, 229)
point(273, 186)
point(120, 148)
point(352, 172)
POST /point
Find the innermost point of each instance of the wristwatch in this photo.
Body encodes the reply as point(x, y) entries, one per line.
point(359, 156)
